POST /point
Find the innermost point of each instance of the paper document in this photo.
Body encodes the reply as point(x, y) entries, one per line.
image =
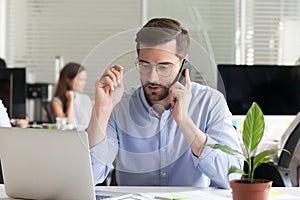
point(278, 195)
point(186, 195)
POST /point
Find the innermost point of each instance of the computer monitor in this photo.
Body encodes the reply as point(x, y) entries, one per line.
point(13, 91)
point(275, 88)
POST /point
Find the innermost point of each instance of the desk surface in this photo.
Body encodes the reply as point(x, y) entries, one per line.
point(146, 193)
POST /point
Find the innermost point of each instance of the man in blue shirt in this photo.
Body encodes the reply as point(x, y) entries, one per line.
point(157, 134)
point(4, 119)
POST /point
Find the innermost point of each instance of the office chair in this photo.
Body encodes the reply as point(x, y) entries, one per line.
point(47, 106)
point(1, 175)
point(284, 171)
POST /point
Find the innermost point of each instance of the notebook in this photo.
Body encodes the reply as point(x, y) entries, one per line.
point(48, 164)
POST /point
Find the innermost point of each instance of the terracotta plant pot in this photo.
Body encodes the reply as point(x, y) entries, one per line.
point(241, 190)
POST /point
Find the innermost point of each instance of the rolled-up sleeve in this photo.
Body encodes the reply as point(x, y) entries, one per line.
point(219, 130)
point(102, 157)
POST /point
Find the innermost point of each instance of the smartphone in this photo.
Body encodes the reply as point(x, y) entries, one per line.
point(181, 74)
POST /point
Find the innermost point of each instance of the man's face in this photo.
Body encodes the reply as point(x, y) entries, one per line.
point(155, 85)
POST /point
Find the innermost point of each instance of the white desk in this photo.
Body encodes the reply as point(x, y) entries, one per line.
point(192, 192)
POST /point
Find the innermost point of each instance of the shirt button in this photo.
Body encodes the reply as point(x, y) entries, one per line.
point(163, 149)
point(164, 174)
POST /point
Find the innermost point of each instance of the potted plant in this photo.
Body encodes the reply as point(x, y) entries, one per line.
point(248, 188)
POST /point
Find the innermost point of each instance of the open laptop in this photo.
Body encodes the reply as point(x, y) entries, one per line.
point(48, 164)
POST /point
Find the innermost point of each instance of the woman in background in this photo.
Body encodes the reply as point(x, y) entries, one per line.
point(69, 101)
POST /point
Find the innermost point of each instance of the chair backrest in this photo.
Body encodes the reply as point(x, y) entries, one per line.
point(290, 141)
point(48, 109)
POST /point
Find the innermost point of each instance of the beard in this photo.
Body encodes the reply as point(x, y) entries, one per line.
point(155, 92)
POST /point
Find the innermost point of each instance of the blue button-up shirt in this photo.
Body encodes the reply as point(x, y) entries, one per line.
point(4, 120)
point(150, 150)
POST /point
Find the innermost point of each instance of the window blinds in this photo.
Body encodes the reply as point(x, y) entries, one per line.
point(269, 31)
point(236, 31)
point(38, 31)
point(211, 25)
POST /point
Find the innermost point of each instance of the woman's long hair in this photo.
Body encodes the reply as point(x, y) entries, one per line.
point(66, 76)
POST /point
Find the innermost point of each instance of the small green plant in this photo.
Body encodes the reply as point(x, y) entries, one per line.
point(252, 133)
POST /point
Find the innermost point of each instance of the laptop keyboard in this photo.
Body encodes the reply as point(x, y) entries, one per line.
point(111, 195)
point(99, 197)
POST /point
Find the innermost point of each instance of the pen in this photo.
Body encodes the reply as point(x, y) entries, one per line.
point(171, 197)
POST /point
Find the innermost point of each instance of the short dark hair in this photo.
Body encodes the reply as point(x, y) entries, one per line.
point(2, 63)
point(162, 30)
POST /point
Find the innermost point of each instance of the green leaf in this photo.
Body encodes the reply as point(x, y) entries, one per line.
point(253, 128)
point(234, 169)
point(263, 157)
point(227, 150)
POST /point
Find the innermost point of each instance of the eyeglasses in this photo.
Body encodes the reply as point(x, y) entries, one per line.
point(161, 69)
